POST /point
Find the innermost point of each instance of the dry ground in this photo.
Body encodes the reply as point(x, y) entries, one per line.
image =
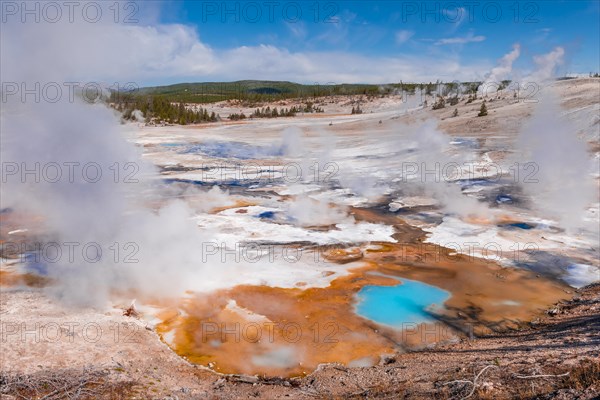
point(563, 346)
point(49, 351)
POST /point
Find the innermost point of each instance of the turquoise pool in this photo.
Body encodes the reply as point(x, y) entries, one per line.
point(400, 304)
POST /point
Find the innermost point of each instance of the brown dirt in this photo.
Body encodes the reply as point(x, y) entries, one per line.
point(565, 340)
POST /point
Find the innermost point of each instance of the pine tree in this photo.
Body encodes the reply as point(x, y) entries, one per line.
point(483, 110)
point(441, 103)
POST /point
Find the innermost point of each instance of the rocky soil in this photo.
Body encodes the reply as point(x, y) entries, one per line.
point(558, 356)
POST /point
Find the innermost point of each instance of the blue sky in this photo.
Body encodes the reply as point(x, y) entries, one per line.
point(473, 33)
point(323, 42)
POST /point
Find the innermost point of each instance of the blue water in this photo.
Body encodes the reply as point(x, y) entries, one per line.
point(399, 305)
point(171, 144)
point(504, 198)
point(231, 183)
point(466, 142)
point(239, 150)
point(467, 183)
point(34, 263)
point(520, 225)
point(267, 214)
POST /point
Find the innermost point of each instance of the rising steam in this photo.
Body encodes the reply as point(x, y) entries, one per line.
point(500, 72)
point(99, 201)
point(559, 181)
point(546, 66)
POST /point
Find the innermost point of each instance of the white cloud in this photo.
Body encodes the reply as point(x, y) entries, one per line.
point(174, 53)
point(469, 38)
point(269, 62)
point(403, 35)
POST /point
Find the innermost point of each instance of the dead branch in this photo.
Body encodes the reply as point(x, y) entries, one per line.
point(242, 378)
point(61, 384)
point(540, 376)
point(310, 392)
point(473, 382)
point(361, 393)
point(252, 379)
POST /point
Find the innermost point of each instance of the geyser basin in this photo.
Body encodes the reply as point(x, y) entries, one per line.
point(238, 150)
point(396, 306)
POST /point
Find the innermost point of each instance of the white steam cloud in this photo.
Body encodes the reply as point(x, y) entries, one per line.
point(432, 153)
point(546, 66)
point(89, 185)
point(500, 72)
point(559, 180)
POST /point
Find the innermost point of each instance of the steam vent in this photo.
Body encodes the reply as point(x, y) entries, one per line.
point(299, 200)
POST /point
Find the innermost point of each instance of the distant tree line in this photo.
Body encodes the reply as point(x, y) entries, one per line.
point(268, 112)
point(160, 110)
point(237, 117)
point(256, 92)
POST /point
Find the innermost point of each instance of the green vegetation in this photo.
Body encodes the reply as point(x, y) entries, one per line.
point(471, 87)
point(356, 110)
point(180, 103)
point(267, 112)
point(471, 98)
point(441, 103)
point(504, 84)
point(483, 110)
point(429, 88)
point(265, 91)
point(309, 107)
point(250, 91)
point(237, 117)
point(160, 110)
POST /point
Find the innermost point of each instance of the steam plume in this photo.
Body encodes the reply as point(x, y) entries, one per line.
point(500, 72)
